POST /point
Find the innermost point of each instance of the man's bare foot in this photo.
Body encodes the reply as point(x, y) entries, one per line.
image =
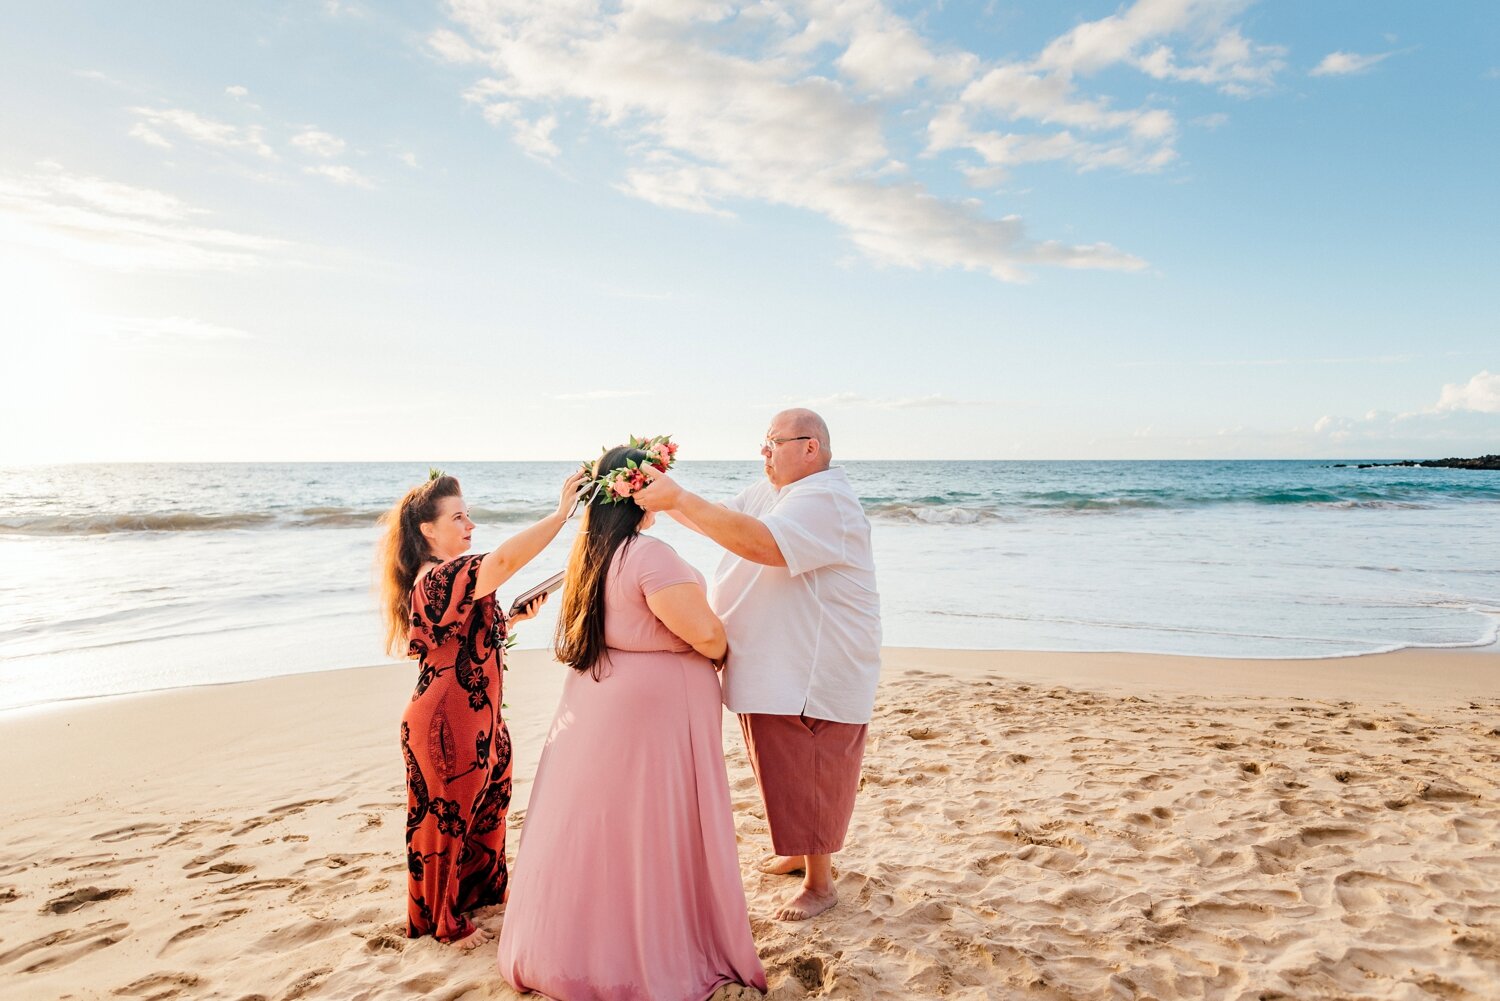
point(807, 904)
point(782, 865)
point(474, 940)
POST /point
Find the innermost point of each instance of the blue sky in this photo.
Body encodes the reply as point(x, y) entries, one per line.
point(505, 230)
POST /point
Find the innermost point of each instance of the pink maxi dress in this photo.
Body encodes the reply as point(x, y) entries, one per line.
point(627, 880)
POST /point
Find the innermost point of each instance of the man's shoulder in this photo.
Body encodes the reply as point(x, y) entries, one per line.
point(756, 495)
point(835, 490)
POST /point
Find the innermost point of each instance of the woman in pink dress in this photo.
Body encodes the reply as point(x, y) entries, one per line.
point(627, 883)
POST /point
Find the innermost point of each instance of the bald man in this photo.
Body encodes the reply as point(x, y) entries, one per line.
point(796, 591)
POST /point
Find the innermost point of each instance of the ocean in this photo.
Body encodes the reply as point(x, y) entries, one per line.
point(135, 577)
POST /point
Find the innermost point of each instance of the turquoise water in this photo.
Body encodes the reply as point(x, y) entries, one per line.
point(125, 578)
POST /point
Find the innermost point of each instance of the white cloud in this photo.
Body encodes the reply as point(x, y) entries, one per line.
point(236, 91)
point(1346, 63)
point(204, 131)
point(1466, 416)
point(1213, 51)
point(1419, 435)
point(92, 220)
point(1175, 41)
point(1481, 394)
point(149, 136)
point(882, 53)
point(409, 158)
point(318, 143)
point(340, 174)
point(718, 105)
point(451, 47)
point(1216, 120)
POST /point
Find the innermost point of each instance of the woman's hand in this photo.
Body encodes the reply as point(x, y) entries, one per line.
point(529, 612)
point(571, 486)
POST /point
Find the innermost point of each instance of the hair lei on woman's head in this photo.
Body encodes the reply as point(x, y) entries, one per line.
point(623, 482)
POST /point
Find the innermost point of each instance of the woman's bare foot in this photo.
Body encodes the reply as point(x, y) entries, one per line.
point(474, 940)
point(782, 865)
point(807, 904)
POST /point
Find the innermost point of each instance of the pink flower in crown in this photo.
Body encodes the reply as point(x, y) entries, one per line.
point(621, 487)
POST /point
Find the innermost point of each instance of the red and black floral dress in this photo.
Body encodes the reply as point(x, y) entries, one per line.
point(458, 755)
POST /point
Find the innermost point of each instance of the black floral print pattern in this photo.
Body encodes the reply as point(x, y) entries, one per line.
point(458, 754)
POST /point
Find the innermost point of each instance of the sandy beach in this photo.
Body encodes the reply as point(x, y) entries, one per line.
point(1031, 826)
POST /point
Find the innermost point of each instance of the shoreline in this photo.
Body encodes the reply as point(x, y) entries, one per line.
point(1029, 826)
point(898, 654)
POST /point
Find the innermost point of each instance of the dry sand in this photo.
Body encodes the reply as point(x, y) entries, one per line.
point(1032, 826)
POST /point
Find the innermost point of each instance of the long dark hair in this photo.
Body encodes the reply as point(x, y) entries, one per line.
point(403, 550)
point(606, 530)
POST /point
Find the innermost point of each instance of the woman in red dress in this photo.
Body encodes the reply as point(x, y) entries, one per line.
point(439, 608)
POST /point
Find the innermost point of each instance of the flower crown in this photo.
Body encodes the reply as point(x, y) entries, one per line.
point(622, 483)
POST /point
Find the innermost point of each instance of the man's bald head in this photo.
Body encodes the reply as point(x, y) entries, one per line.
point(804, 447)
point(801, 421)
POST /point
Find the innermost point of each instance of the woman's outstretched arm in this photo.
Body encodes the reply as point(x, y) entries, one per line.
point(501, 563)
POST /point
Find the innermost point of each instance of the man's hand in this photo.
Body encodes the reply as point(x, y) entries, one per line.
point(661, 494)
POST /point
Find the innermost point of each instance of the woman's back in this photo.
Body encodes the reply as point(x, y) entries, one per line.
point(629, 884)
point(641, 567)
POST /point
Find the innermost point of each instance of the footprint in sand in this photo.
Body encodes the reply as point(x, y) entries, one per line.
point(297, 934)
point(377, 944)
point(109, 864)
point(1468, 832)
point(208, 857)
point(235, 890)
point(132, 831)
point(1447, 792)
point(337, 861)
point(193, 931)
point(305, 983)
point(809, 971)
point(160, 986)
point(371, 820)
point(230, 869)
point(63, 947)
point(1359, 891)
point(1230, 915)
point(70, 902)
point(1273, 858)
point(1316, 837)
point(279, 813)
point(191, 828)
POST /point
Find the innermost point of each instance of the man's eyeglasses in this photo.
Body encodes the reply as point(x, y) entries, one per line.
point(769, 445)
